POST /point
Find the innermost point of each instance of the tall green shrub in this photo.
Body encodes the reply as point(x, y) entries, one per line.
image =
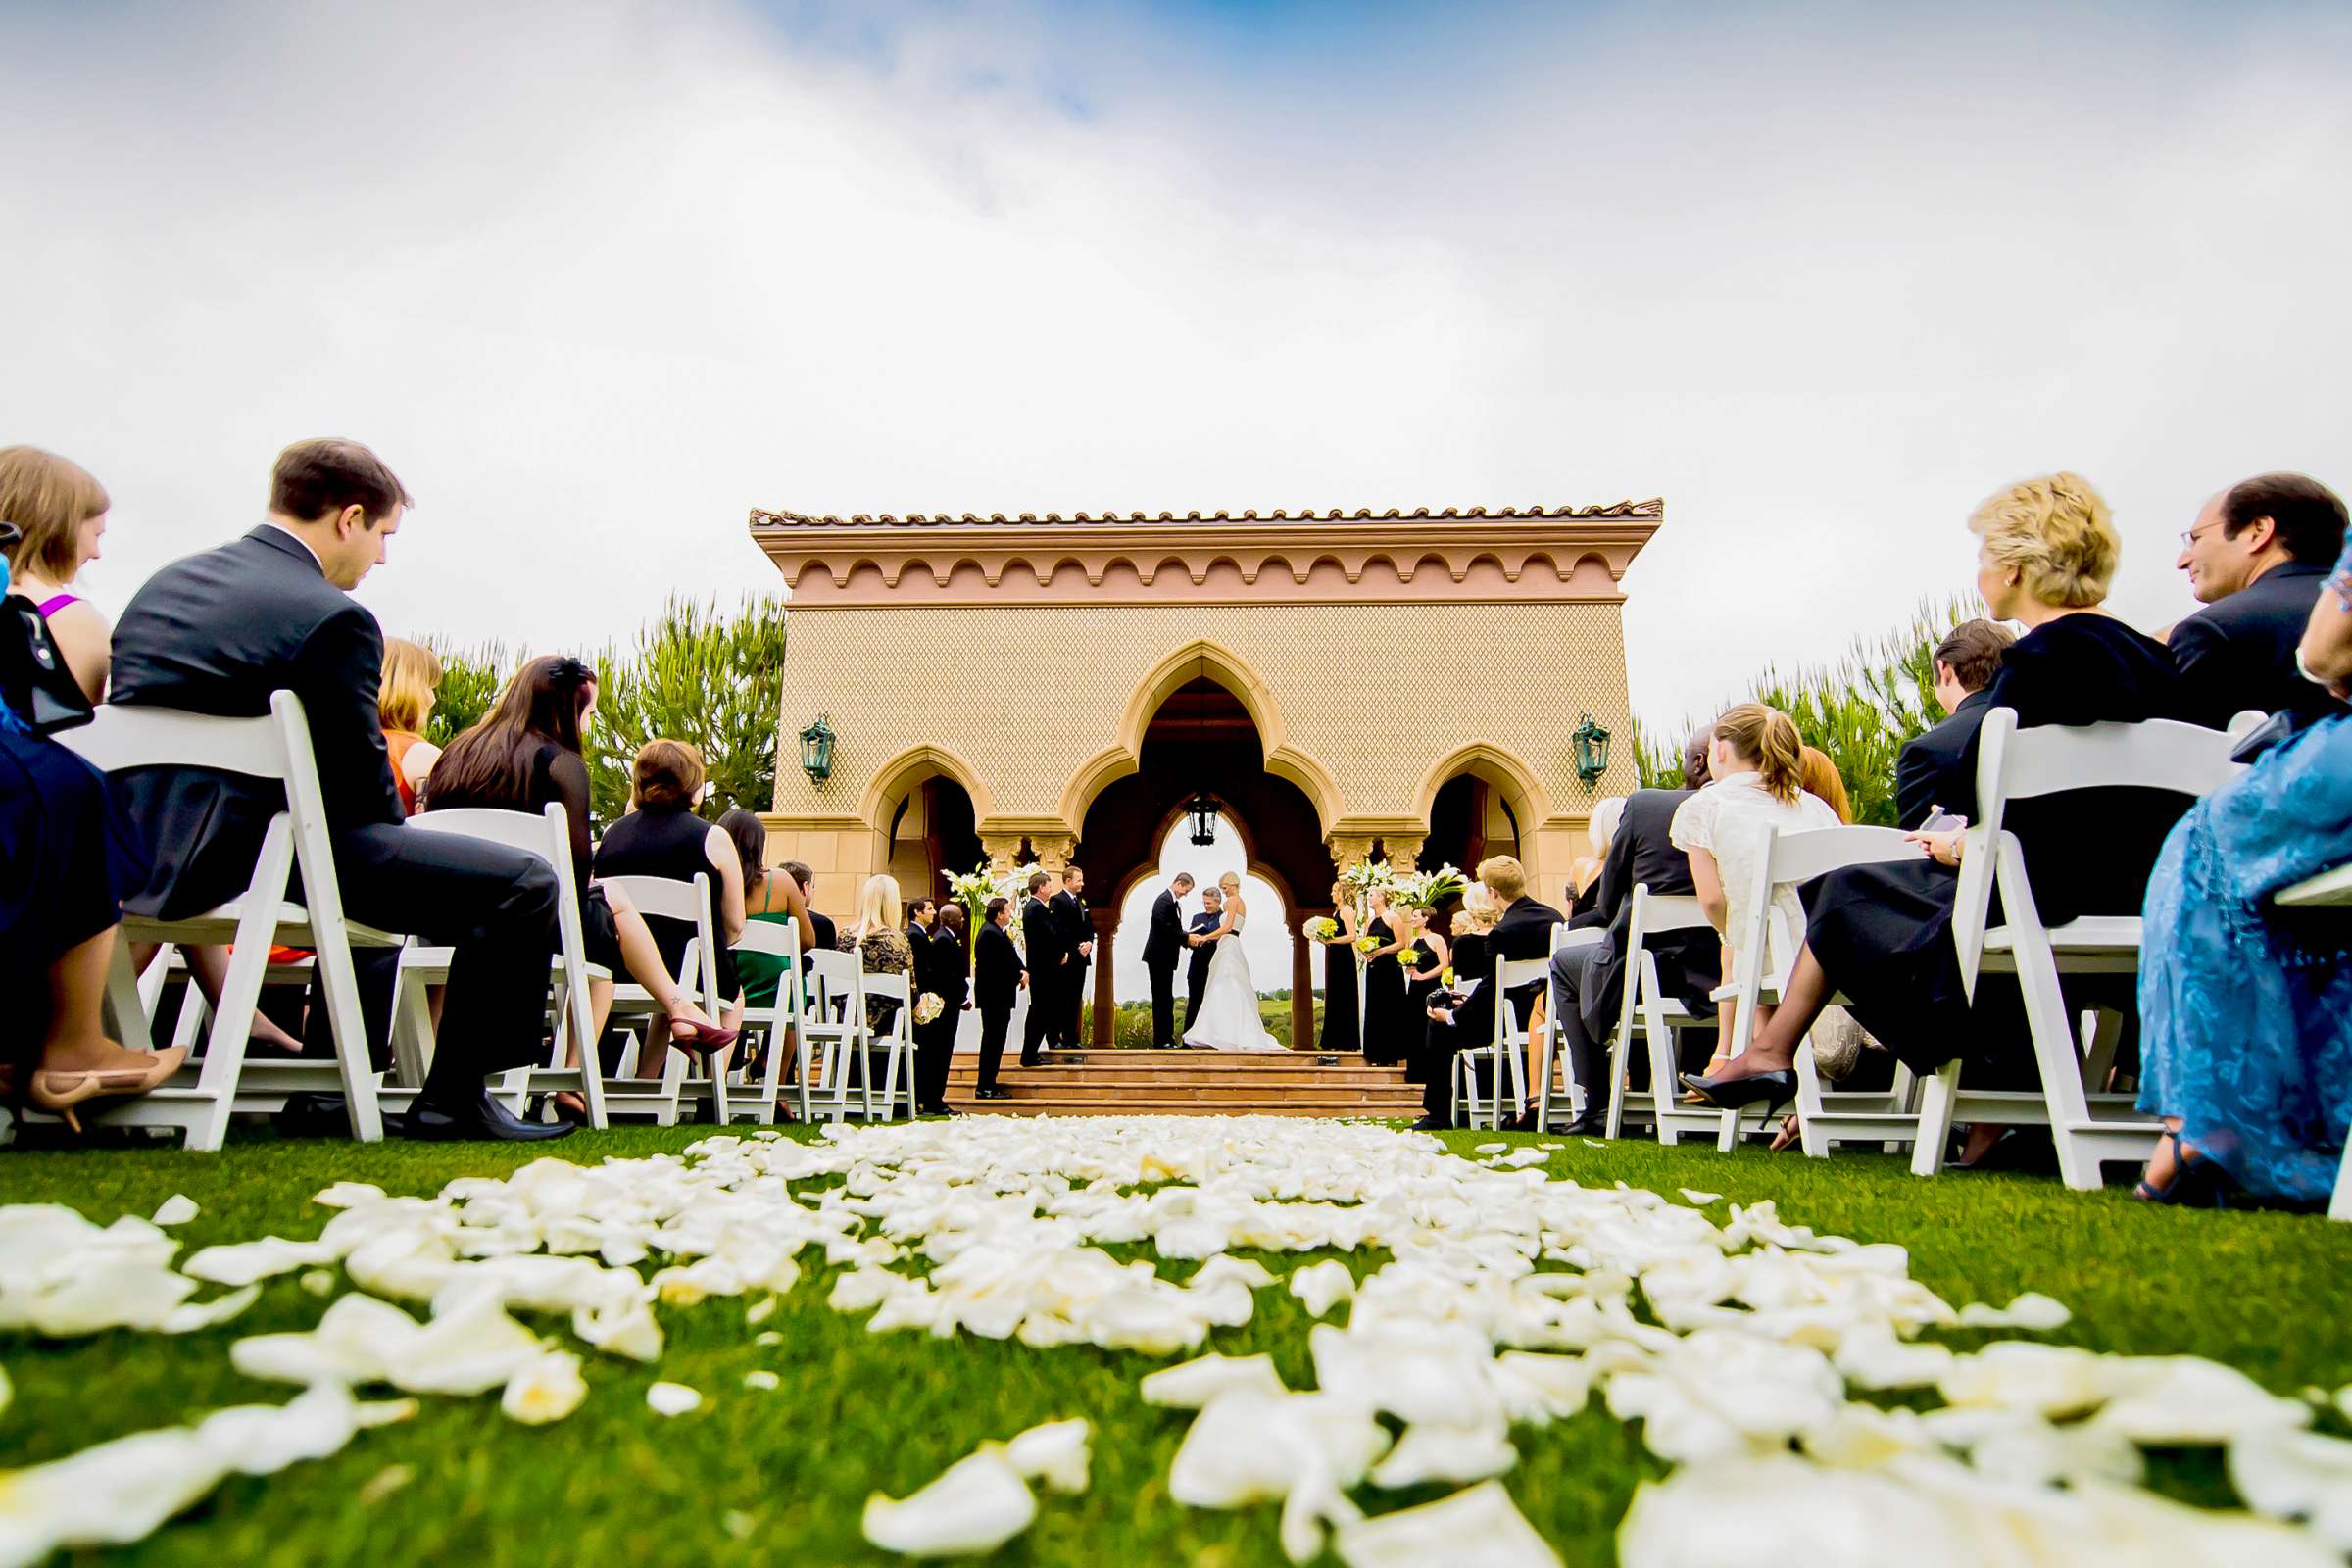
point(470, 681)
point(696, 675)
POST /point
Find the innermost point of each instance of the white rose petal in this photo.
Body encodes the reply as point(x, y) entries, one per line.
point(2032, 1311)
point(2176, 1399)
point(1481, 1526)
point(1054, 1452)
point(761, 1378)
point(974, 1507)
point(348, 1194)
point(1444, 1454)
point(190, 1317)
point(1323, 1286)
point(2296, 1475)
point(177, 1209)
point(1191, 1384)
point(546, 1389)
point(244, 1262)
point(1702, 1200)
point(672, 1398)
point(261, 1440)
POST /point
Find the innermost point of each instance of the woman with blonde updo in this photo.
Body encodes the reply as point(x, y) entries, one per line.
point(1340, 1029)
point(1882, 934)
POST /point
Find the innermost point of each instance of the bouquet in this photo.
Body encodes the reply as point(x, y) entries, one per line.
point(1367, 943)
point(928, 1006)
point(1445, 977)
point(1322, 928)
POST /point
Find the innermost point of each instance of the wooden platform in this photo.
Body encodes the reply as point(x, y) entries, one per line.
point(1187, 1083)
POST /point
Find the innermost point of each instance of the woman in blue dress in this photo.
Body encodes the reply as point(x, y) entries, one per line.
point(2246, 1008)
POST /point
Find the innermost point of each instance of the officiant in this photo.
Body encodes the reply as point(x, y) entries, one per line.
point(1163, 949)
point(1212, 916)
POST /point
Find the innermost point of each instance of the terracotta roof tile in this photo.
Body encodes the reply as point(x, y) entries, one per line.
point(799, 520)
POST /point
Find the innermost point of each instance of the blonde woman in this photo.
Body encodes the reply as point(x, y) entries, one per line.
point(1340, 1031)
point(402, 703)
point(1584, 874)
point(1228, 1019)
point(880, 944)
point(1882, 934)
point(60, 511)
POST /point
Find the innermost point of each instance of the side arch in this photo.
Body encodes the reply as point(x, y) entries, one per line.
point(911, 768)
point(1494, 765)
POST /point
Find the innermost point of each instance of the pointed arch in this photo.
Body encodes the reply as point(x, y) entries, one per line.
point(1494, 765)
point(911, 768)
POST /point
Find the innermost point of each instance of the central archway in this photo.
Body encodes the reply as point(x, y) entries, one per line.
point(1201, 738)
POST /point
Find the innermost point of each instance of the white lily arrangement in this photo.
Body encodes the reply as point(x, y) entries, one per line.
point(1428, 890)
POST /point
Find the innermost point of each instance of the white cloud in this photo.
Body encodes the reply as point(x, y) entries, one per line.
point(597, 278)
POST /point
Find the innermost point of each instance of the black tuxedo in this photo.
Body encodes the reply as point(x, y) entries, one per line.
point(1587, 983)
point(218, 633)
point(828, 935)
point(1162, 948)
point(1939, 768)
point(2240, 652)
point(1196, 967)
point(939, 969)
point(1523, 932)
point(996, 987)
point(1077, 925)
point(1048, 963)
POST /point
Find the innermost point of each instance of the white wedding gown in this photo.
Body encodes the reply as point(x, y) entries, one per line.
point(1228, 1019)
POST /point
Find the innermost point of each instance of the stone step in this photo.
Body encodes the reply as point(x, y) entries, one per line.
point(1263, 1082)
point(1032, 1089)
point(1145, 1056)
point(1106, 1107)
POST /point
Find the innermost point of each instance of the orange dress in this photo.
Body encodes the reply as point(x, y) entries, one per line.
point(397, 742)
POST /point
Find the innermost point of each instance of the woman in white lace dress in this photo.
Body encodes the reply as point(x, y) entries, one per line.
point(1228, 1018)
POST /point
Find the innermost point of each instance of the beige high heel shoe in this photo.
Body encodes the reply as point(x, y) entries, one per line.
point(59, 1091)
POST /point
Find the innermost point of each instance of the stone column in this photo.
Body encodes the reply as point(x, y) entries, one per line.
point(1105, 1006)
point(1348, 850)
point(1054, 852)
point(1002, 851)
point(1303, 997)
point(1402, 852)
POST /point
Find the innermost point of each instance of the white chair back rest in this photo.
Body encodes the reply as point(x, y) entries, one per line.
point(1657, 913)
point(1512, 973)
point(1791, 858)
point(765, 936)
point(832, 983)
point(527, 831)
point(668, 899)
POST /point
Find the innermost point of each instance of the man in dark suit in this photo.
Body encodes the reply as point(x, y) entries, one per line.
point(1523, 931)
point(1937, 770)
point(922, 919)
point(1164, 948)
point(2256, 558)
point(827, 936)
point(940, 969)
point(996, 981)
point(1047, 961)
point(1587, 983)
point(218, 633)
point(1078, 941)
point(1195, 936)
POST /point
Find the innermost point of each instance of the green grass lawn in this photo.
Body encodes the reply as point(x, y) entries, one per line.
point(780, 1477)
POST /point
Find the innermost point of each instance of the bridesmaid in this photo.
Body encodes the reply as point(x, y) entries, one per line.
point(1423, 961)
point(1340, 1031)
point(1387, 1026)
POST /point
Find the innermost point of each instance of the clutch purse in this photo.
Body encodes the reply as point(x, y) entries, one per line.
point(37, 691)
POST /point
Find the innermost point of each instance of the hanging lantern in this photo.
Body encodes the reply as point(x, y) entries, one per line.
point(1591, 747)
point(817, 749)
point(1204, 813)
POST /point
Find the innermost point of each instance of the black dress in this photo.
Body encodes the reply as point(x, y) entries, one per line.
point(1340, 1029)
point(673, 843)
point(1388, 1032)
point(1882, 933)
point(68, 857)
point(559, 776)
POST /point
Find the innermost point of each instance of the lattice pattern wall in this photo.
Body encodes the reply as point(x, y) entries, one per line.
point(1375, 693)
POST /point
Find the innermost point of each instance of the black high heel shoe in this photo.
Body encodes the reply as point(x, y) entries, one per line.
point(1775, 1089)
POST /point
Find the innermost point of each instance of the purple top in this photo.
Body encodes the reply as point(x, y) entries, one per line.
point(50, 606)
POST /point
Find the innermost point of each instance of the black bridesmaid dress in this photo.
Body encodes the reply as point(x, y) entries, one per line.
point(1341, 1032)
point(1388, 1031)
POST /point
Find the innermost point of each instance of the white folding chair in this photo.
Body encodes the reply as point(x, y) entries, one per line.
point(547, 835)
point(1502, 1048)
point(2087, 1127)
point(832, 1023)
point(897, 1041)
point(1552, 1064)
point(1660, 1018)
point(1767, 954)
point(201, 1096)
point(773, 1023)
point(668, 899)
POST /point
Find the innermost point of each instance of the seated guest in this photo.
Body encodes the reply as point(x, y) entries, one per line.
point(2255, 559)
point(219, 633)
point(60, 514)
point(664, 838)
point(1601, 830)
point(1756, 763)
point(881, 947)
point(1882, 934)
point(1588, 982)
point(1928, 774)
point(65, 857)
point(805, 880)
point(1818, 777)
point(768, 898)
point(1523, 930)
point(2246, 1008)
point(522, 755)
point(411, 673)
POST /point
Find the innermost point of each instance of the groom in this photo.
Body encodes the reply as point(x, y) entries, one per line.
point(1212, 916)
point(1161, 949)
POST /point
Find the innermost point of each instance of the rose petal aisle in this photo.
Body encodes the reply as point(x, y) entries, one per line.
point(1205, 1340)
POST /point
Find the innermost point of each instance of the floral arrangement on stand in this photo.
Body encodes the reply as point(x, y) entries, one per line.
point(1425, 891)
point(973, 889)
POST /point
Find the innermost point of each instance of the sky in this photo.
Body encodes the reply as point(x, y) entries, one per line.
point(598, 277)
point(1266, 935)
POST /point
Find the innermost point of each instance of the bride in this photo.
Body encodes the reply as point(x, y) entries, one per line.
point(1228, 1019)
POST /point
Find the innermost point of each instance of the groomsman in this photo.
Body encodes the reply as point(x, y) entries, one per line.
point(922, 919)
point(1049, 962)
point(1077, 940)
point(996, 986)
point(939, 969)
point(1163, 949)
point(1212, 916)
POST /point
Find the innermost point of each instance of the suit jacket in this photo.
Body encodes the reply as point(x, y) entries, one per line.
point(1523, 932)
point(828, 936)
point(1165, 944)
point(939, 969)
point(1688, 961)
point(1041, 930)
point(1197, 971)
point(997, 982)
point(1077, 925)
point(2240, 652)
point(1939, 768)
point(218, 633)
